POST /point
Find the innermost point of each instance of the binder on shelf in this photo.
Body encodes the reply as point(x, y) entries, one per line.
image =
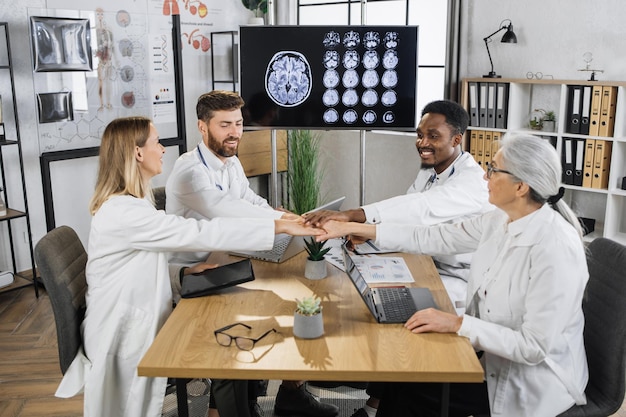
point(579, 161)
point(480, 157)
point(495, 142)
point(573, 109)
point(473, 103)
point(487, 144)
point(491, 104)
point(594, 117)
point(502, 105)
point(590, 147)
point(482, 104)
point(567, 156)
point(472, 145)
point(607, 111)
point(585, 110)
point(602, 158)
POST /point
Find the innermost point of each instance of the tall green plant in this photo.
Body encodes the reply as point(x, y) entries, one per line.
point(305, 175)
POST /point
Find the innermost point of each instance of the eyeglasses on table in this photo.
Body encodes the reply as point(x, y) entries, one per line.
point(242, 342)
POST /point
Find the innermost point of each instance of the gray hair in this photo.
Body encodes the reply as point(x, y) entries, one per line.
point(535, 161)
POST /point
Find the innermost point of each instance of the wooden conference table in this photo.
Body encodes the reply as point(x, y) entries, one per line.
point(354, 346)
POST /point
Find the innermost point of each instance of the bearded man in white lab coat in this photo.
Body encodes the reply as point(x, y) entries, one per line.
point(209, 182)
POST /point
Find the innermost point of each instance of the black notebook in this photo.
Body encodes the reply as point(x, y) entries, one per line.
point(212, 280)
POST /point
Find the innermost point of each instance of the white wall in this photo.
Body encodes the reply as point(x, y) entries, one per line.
point(552, 37)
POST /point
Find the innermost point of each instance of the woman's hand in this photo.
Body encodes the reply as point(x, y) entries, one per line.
point(295, 228)
point(433, 320)
point(199, 267)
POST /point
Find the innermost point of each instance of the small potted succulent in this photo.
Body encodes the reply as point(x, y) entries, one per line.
point(549, 121)
point(315, 267)
point(308, 322)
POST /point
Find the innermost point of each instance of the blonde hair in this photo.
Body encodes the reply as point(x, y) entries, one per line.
point(118, 171)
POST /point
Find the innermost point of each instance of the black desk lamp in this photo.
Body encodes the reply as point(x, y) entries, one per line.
point(508, 37)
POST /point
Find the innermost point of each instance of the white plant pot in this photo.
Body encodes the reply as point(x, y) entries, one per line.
point(315, 269)
point(256, 21)
point(308, 327)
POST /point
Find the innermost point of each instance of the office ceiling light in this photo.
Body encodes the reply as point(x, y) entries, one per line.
point(508, 37)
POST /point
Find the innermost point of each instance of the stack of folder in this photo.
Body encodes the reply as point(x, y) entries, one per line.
point(488, 104)
point(483, 145)
point(586, 162)
point(591, 110)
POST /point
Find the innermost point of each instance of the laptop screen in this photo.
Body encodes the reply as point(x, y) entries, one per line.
point(357, 279)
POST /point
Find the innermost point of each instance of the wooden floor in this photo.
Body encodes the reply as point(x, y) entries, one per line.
point(29, 367)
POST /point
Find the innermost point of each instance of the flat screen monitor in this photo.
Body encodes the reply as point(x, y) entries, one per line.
point(329, 77)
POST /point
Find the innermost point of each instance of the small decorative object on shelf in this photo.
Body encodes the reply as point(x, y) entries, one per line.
point(308, 322)
point(315, 267)
point(2, 136)
point(3, 207)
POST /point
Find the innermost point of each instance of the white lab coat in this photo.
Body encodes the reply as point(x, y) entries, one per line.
point(458, 193)
point(129, 298)
point(524, 304)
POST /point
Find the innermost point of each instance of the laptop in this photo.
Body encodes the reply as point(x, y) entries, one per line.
point(387, 304)
point(286, 246)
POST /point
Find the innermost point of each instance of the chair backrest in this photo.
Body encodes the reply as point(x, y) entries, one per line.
point(604, 306)
point(159, 197)
point(61, 260)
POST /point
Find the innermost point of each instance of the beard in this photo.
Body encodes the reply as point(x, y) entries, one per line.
point(219, 148)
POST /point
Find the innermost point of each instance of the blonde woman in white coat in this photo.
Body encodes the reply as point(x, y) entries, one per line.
point(524, 299)
point(129, 294)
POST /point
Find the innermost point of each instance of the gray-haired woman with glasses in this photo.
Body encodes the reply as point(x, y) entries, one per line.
point(524, 297)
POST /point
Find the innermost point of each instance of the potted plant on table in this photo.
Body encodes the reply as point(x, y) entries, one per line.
point(259, 7)
point(315, 267)
point(308, 322)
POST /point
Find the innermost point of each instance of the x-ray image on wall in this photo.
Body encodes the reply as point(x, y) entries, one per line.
point(324, 77)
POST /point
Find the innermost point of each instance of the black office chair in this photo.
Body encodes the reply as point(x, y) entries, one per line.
point(604, 306)
point(159, 197)
point(61, 261)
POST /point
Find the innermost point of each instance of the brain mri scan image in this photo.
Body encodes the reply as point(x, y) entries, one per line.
point(330, 97)
point(369, 98)
point(369, 117)
point(350, 116)
point(370, 79)
point(350, 98)
point(331, 116)
point(370, 59)
point(390, 59)
point(288, 78)
point(331, 79)
point(351, 39)
point(389, 98)
point(331, 40)
point(371, 40)
point(389, 117)
point(331, 59)
point(351, 59)
point(391, 40)
point(350, 79)
point(390, 79)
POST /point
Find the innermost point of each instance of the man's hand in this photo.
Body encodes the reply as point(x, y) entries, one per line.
point(360, 232)
point(320, 217)
point(295, 228)
point(433, 320)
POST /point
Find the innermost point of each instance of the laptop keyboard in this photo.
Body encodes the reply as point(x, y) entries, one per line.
point(276, 252)
point(397, 303)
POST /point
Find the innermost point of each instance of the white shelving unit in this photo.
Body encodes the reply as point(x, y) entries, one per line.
point(606, 206)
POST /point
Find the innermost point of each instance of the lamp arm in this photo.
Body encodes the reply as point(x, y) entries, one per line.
point(488, 53)
point(501, 29)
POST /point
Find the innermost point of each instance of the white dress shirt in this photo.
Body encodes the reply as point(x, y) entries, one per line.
point(455, 194)
point(201, 186)
point(524, 304)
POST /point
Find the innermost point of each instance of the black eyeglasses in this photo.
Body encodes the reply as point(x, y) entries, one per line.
point(242, 342)
point(491, 169)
